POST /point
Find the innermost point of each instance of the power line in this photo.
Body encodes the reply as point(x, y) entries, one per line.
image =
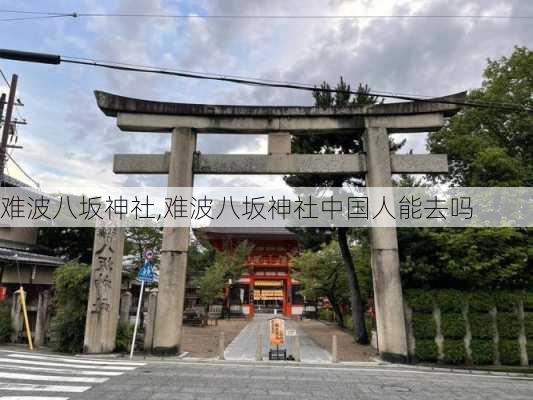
point(283, 85)
point(318, 18)
point(57, 59)
point(22, 170)
point(32, 18)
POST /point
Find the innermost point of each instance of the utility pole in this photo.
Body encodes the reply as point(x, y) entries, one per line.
point(2, 102)
point(7, 125)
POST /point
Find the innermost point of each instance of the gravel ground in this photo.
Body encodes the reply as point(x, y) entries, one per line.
point(202, 342)
point(348, 350)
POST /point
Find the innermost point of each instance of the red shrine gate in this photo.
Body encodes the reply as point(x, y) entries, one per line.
point(267, 285)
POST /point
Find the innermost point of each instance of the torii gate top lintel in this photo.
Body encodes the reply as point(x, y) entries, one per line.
point(156, 116)
point(112, 104)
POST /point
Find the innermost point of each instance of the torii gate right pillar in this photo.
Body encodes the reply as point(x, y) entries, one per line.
point(388, 298)
point(173, 266)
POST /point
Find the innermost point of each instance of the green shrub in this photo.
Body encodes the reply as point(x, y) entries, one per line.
point(528, 322)
point(482, 352)
point(5, 322)
point(528, 301)
point(506, 301)
point(453, 326)
point(454, 352)
point(530, 351)
point(480, 301)
point(423, 326)
point(509, 352)
point(124, 336)
point(420, 300)
point(369, 323)
point(480, 326)
point(508, 326)
point(426, 350)
point(71, 282)
point(450, 301)
point(325, 314)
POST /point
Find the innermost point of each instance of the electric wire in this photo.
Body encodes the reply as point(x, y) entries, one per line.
point(46, 14)
point(274, 84)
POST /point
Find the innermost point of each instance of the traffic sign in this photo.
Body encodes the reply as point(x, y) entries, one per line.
point(146, 273)
point(148, 254)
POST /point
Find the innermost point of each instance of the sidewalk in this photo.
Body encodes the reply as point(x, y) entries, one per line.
point(244, 346)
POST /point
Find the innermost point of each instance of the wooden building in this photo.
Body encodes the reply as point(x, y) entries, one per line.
point(267, 284)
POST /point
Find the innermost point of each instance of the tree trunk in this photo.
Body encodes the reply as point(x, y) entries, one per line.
point(336, 309)
point(358, 312)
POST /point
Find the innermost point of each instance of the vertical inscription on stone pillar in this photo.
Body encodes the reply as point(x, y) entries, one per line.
point(104, 294)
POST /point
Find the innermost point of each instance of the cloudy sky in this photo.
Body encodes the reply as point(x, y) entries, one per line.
point(69, 142)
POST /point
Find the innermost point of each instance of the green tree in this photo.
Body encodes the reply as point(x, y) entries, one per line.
point(227, 264)
point(74, 244)
point(338, 144)
point(486, 147)
point(140, 239)
point(323, 275)
point(200, 256)
point(71, 294)
point(489, 146)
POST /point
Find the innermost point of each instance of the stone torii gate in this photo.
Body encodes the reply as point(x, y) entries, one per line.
point(375, 122)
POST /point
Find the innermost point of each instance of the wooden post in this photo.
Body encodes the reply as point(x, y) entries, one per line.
point(173, 265)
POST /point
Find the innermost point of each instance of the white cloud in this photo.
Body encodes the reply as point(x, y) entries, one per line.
point(420, 56)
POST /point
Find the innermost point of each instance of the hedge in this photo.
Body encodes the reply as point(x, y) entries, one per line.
point(426, 350)
point(508, 326)
point(480, 326)
point(482, 352)
point(528, 301)
point(424, 326)
point(454, 352)
point(528, 321)
point(453, 326)
point(421, 301)
point(450, 301)
point(509, 352)
point(480, 302)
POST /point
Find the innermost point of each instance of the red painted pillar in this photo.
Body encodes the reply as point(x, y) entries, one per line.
point(251, 295)
point(288, 296)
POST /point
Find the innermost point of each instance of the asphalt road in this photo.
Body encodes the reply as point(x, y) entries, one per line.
point(40, 376)
point(189, 380)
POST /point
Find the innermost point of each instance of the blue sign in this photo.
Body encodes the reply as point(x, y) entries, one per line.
point(146, 273)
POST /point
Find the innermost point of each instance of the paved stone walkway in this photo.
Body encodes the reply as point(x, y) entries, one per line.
point(244, 346)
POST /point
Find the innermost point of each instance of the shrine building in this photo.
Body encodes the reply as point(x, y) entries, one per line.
point(267, 284)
